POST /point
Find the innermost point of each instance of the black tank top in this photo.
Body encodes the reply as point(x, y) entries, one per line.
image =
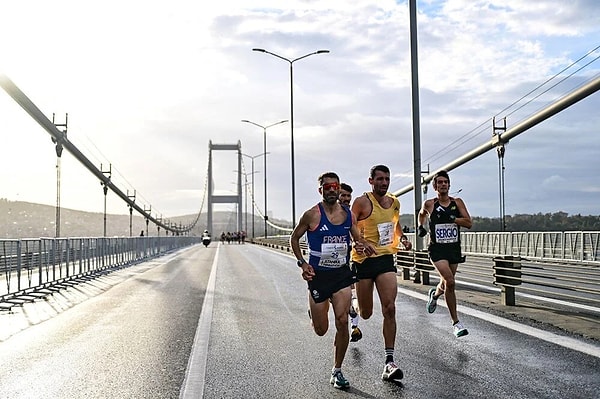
point(442, 229)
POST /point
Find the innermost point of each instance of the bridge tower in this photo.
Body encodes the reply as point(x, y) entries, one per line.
point(224, 199)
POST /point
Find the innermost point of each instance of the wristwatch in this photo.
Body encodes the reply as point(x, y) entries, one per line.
point(300, 262)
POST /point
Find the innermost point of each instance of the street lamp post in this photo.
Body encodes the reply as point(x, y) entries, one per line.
point(291, 62)
point(252, 157)
point(246, 201)
point(264, 128)
point(246, 183)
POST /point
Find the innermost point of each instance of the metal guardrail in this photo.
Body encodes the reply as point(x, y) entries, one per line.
point(556, 246)
point(30, 268)
point(557, 279)
point(583, 246)
point(575, 282)
point(34, 267)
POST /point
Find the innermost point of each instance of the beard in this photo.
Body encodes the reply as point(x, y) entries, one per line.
point(381, 190)
point(330, 199)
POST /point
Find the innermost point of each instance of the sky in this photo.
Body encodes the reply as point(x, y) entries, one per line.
point(147, 85)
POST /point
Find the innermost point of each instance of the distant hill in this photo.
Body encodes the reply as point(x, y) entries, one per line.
point(20, 219)
point(28, 220)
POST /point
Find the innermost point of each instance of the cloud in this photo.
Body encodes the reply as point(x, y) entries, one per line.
point(555, 182)
point(147, 88)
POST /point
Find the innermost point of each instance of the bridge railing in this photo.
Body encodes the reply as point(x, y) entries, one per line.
point(573, 282)
point(583, 246)
point(579, 246)
point(549, 275)
point(32, 267)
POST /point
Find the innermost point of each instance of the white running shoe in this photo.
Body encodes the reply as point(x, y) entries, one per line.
point(460, 330)
point(338, 381)
point(431, 301)
point(391, 372)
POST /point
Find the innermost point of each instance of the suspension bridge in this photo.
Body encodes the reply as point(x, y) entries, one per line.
point(162, 316)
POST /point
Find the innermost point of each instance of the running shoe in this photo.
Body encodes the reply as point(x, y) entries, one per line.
point(338, 380)
point(356, 334)
point(431, 302)
point(391, 372)
point(460, 330)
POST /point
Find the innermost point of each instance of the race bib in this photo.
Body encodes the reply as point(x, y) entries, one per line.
point(386, 233)
point(446, 233)
point(333, 255)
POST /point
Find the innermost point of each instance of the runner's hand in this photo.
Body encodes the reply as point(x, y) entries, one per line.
point(308, 272)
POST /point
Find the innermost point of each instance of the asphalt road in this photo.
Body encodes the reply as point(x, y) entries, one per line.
point(131, 334)
point(126, 335)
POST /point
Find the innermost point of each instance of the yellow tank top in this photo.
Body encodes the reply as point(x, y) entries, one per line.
point(380, 228)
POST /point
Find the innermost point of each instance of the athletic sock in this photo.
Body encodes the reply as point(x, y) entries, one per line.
point(389, 355)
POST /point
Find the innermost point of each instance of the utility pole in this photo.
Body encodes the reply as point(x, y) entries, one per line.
point(105, 189)
point(59, 150)
point(501, 149)
point(147, 212)
point(131, 197)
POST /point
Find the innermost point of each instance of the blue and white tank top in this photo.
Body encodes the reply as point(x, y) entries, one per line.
point(329, 244)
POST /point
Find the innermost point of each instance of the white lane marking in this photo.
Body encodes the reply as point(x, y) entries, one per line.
point(195, 373)
point(496, 290)
point(564, 341)
point(560, 302)
point(535, 297)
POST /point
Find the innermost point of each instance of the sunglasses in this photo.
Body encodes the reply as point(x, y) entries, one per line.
point(331, 186)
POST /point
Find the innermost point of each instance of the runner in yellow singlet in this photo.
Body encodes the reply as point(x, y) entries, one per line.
point(378, 221)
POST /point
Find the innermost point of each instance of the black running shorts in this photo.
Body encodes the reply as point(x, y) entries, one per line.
point(325, 283)
point(370, 268)
point(449, 252)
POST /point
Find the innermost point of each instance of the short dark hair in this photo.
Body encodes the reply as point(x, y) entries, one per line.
point(381, 168)
point(331, 175)
point(441, 173)
point(346, 187)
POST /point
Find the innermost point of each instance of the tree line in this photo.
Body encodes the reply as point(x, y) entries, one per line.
point(558, 221)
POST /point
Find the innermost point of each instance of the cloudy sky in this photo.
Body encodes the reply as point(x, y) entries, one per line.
point(147, 85)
